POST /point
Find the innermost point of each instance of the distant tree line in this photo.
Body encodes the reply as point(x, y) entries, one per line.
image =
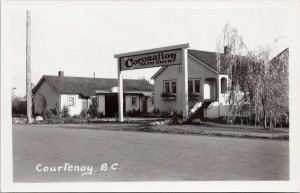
point(19, 106)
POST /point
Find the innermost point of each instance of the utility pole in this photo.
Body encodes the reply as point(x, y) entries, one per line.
point(28, 67)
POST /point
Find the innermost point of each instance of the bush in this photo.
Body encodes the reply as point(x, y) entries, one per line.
point(47, 114)
point(145, 114)
point(93, 108)
point(133, 113)
point(55, 111)
point(18, 106)
point(165, 114)
point(100, 115)
point(83, 113)
point(65, 113)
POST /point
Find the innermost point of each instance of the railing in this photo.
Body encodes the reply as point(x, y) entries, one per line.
point(196, 107)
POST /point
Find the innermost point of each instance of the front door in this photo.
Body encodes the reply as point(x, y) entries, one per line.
point(206, 91)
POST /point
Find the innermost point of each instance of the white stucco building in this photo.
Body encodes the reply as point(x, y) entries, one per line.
point(207, 88)
point(76, 93)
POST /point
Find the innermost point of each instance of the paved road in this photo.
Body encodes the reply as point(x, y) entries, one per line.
point(142, 156)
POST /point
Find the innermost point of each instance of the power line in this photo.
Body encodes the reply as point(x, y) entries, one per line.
point(76, 35)
point(126, 28)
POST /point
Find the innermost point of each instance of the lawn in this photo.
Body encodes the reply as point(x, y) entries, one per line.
point(205, 128)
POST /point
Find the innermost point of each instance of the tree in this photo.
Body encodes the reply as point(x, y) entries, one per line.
point(263, 82)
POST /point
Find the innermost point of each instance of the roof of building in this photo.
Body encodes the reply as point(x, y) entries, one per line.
point(88, 86)
point(207, 58)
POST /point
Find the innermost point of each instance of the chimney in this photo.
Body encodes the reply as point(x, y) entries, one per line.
point(227, 50)
point(60, 73)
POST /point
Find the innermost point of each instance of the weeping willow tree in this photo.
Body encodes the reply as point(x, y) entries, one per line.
point(258, 84)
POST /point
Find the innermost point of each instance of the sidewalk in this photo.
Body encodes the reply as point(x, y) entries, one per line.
point(210, 129)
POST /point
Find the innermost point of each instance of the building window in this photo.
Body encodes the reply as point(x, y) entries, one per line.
point(194, 86)
point(151, 101)
point(173, 86)
point(190, 86)
point(133, 101)
point(223, 85)
point(197, 86)
point(71, 101)
point(167, 87)
point(170, 87)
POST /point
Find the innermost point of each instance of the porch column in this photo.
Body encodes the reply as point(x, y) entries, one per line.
point(120, 92)
point(185, 104)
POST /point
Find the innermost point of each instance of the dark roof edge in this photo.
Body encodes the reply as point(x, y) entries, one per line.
point(158, 72)
point(40, 82)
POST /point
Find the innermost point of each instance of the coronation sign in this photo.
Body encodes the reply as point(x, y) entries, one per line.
point(156, 59)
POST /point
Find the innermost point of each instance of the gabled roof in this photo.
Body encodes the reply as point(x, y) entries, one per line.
point(207, 58)
point(88, 86)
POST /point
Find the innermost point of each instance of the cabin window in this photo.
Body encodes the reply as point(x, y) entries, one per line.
point(133, 101)
point(71, 101)
point(194, 86)
point(223, 85)
point(170, 87)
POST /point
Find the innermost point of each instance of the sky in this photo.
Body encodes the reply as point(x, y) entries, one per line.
point(83, 41)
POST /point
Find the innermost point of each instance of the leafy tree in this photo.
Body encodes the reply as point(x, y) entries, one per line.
point(263, 80)
point(19, 106)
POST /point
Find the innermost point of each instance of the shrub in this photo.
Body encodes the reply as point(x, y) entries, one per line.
point(55, 111)
point(145, 114)
point(100, 115)
point(19, 106)
point(83, 113)
point(47, 114)
point(155, 113)
point(165, 114)
point(65, 113)
point(133, 113)
point(93, 108)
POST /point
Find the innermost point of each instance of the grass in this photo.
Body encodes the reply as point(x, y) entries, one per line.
point(244, 131)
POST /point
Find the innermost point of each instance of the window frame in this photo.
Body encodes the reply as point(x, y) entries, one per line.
point(193, 80)
point(133, 105)
point(170, 83)
point(74, 101)
point(224, 88)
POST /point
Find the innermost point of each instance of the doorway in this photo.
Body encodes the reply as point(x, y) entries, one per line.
point(111, 105)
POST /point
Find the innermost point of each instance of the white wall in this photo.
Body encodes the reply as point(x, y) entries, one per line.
point(220, 108)
point(195, 70)
point(49, 93)
point(74, 110)
point(128, 106)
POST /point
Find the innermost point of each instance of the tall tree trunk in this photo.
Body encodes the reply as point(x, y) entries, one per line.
point(265, 119)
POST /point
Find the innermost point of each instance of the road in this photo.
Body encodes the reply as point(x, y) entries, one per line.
point(137, 156)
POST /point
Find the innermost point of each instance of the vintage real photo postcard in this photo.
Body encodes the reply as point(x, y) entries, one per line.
point(149, 96)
